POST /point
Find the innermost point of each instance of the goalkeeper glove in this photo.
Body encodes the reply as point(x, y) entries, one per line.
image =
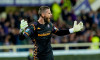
point(23, 25)
point(76, 27)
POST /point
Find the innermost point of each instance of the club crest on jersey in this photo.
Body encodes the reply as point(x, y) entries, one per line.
point(48, 25)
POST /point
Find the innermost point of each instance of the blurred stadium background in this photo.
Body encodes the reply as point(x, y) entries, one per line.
point(83, 45)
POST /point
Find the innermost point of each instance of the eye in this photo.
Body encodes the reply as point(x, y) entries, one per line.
point(49, 13)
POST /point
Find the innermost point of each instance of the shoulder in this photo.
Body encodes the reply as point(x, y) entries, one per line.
point(33, 25)
point(51, 24)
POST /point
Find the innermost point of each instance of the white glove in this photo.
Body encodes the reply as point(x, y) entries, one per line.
point(76, 27)
point(23, 25)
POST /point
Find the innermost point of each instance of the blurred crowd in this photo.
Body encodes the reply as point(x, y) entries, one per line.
point(10, 26)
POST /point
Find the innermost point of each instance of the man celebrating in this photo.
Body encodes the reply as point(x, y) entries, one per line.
point(40, 33)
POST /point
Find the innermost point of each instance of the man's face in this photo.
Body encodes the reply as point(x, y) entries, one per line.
point(47, 15)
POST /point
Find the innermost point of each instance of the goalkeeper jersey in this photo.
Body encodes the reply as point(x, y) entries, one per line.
point(40, 34)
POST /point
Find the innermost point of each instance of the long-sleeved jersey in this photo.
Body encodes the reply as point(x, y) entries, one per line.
point(41, 35)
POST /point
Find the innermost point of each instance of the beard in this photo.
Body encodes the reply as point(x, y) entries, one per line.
point(46, 20)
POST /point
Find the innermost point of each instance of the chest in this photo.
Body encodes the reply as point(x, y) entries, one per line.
point(44, 30)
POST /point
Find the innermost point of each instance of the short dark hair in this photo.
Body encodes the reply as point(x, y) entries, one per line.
point(42, 9)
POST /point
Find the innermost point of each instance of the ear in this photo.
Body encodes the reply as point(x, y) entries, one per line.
point(42, 14)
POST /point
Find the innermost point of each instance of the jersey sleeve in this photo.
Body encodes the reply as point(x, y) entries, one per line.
point(29, 31)
point(59, 32)
point(54, 29)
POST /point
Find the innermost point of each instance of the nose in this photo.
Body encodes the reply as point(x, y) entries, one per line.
point(51, 15)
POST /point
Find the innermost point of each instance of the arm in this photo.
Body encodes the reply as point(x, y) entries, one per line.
point(76, 28)
point(60, 32)
point(25, 32)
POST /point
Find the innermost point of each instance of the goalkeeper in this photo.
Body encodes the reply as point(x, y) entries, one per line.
point(40, 33)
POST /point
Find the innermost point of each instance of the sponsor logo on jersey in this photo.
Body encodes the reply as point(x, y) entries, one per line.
point(44, 34)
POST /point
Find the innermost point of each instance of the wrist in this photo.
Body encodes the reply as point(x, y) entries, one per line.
point(71, 30)
point(21, 30)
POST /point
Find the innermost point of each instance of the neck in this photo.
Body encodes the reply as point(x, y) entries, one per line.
point(41, 20)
